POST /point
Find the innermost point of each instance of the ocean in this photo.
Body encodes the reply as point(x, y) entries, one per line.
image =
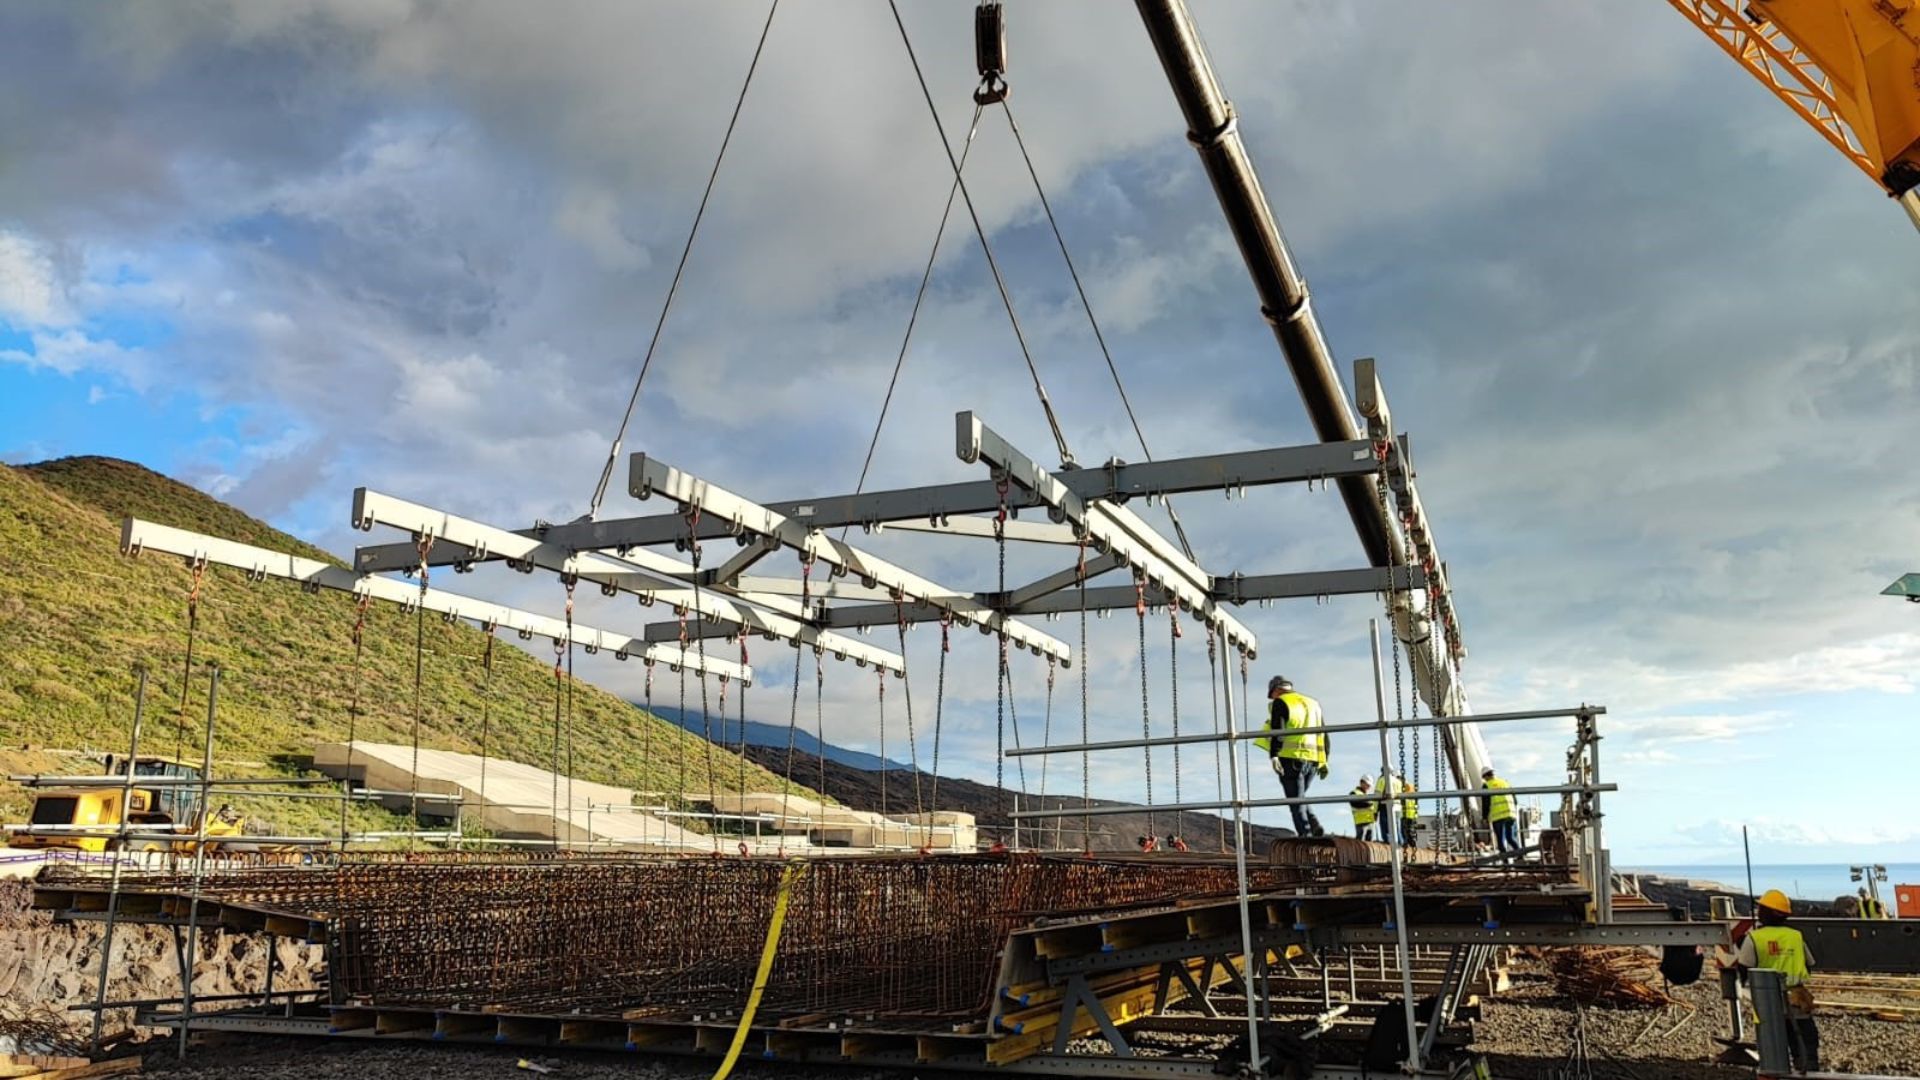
point(1808, 881)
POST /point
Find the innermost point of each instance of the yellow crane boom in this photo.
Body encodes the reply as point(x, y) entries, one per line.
point(1849, 68)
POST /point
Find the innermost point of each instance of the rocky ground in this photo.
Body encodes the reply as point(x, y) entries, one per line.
point(46, 966)
point(1529, 1031)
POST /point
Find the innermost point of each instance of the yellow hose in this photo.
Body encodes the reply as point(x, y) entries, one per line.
point(788, 878)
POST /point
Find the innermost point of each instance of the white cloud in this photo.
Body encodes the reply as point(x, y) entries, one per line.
point(31, 294)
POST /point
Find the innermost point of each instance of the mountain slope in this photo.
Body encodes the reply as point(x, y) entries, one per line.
point(75, 615)
point(726, 732)
point(989, 805)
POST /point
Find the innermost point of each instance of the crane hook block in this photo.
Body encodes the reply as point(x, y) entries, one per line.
point(990, 50)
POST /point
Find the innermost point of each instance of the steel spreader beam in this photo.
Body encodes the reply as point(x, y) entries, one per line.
point(936, 503)
point(1115, 530)
point(642, 578)
point(649, 476)
point(137, 536)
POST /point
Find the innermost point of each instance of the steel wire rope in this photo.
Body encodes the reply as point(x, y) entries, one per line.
point(673, 288)
point(986, 248)
point(1086, 305)
point(913, 315)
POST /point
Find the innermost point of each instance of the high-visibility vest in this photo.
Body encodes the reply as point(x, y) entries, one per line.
point(1499, 807)
point(1410, 809)
point(1390, 785)
point(1781, 949)
point(1298, 717)
point(1363, 812)
point(1869, 908)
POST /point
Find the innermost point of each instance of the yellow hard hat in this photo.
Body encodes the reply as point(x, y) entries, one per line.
point(1776, 900)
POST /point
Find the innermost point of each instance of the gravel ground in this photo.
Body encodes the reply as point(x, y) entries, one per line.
point(1526, 1034)
point(325, 1059)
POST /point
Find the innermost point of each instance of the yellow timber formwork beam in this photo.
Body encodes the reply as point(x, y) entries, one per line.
point(1849, 68)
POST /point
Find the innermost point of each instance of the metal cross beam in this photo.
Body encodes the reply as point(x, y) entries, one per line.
point(649, 476)
point(645, 574)
point(936, 504)
point(1115, 530)
point(137, 536)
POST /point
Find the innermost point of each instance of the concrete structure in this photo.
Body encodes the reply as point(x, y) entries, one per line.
point(519, 802)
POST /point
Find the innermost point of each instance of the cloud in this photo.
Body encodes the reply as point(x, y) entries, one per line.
point(30, 289)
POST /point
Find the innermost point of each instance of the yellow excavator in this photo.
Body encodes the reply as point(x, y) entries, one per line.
point(164, 798)
point(1849, 68)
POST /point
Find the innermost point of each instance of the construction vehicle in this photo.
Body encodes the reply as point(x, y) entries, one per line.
point(1849, 68)
point(147, 794)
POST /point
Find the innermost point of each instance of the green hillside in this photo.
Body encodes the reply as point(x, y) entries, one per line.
point(75, 616)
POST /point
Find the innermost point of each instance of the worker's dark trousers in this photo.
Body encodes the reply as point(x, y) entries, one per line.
point(1803, 1043)
point(1363, 832)
point(1295, 775)
point(1506, 834)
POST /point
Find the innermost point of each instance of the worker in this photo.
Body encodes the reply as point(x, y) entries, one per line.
point(1409, 816)
point(1174, 843)
point(1871, 907)
point(1499, 811)
point(1393, 785)
point(1364, 810)
point(1146, 843)
point(1778, 947)
point(1300, 753)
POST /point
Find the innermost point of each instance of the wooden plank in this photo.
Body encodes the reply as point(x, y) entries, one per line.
point(456, 1025)
point(642, 1035)
point(389, 1022)
point(116, 1067)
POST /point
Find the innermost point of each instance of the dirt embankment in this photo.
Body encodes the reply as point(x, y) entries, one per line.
point(47, 966)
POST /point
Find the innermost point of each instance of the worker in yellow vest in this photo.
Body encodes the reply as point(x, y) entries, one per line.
point(1392, 784)
point(1409, 815)
point(1500, 812)
point(1300, 752)
point(1778, 947)
point(1871, 907)
point(1364, 810)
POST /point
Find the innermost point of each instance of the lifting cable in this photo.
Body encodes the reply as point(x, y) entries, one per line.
point(1382, 451)
point(1046, 732)
point(673, 288)
point(882, 681)
point(786, 775)
point(986, 249)
point(486, 719)
point(742, 707)
point(646, 737)
point(919, 297)
point(423, 544)
point(1086, 769)
point(940, 700)
point(361, 603)
point(559, 694)
point(1173, 683)
point(1213, 702)
point(571, 582)
point(706, 715)
point(820, 718)
point(1086, 305)
point(913, 745)
point(186, 670)
point(1146, 716)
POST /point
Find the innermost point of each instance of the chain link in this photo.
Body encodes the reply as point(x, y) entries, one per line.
point(1086, 771)
point(1146, 715)
point(1173, 682)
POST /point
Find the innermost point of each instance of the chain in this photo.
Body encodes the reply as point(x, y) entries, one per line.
point(1213, 702)
point(786, 774)
point(486, 720)
point(571, 581)
point(706, 714)
point(913, 742)
point(646, 730)
point(1046, 733)
point(882, 674)
point(1086, 771)
point(744, 664)
point(1146, 716)
point(353, 708)
point(820, 717)
point(1000, 486)
point(680, 719)
point(186, 670)
point(423, 544)
point(1173, 679)
point(940, 701)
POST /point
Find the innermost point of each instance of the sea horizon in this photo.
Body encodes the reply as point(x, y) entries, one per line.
point(1802, 881)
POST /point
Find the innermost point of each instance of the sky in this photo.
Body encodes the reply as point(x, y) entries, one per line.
point(1654, 343)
